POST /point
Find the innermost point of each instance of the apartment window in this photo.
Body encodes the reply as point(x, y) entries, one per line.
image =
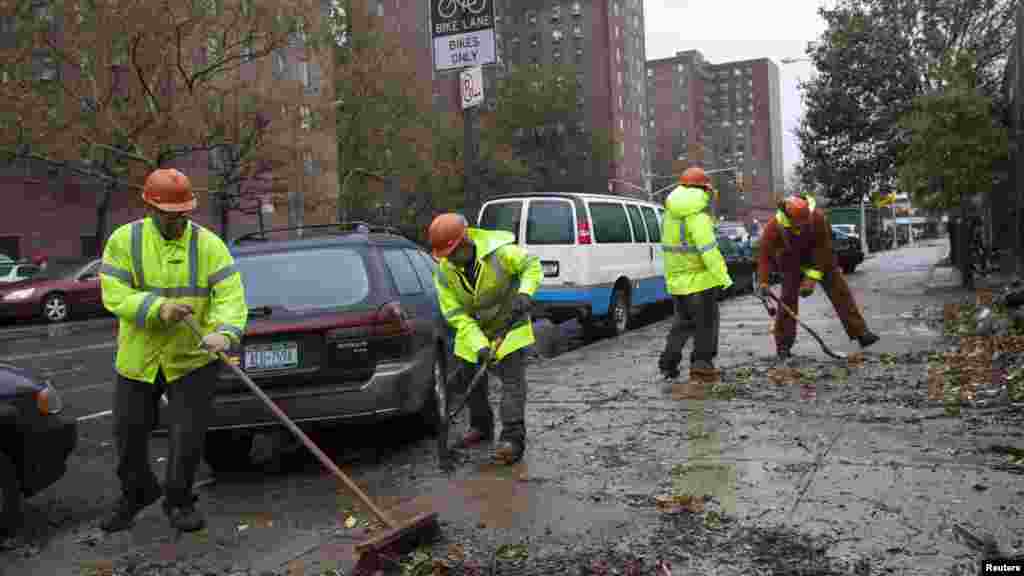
point(44, 67)
point(650, 73)
point(577, 31)
point(380, 8)
point(556, 56)
point(579, 55)
point(556, 13)
point(556, 35)
point(622, 124)
point(515, 40)
point(531, 17)
point(616, 32)
point(580, 127)
point(615, 10)
point(682, 106)
point(618, 78)
point(534, 40)
point(579, 81)
point(650, 123)
point(618, 55)
point(576, 9)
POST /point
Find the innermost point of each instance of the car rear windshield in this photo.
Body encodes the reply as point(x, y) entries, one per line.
point(300, 280)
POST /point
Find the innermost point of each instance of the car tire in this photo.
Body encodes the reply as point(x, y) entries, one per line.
point(225, 451)
point(620, 318)
point(433, 415)
point(55, 308)
point(10, 497)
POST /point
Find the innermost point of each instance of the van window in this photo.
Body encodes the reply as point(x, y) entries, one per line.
point(610, 224)
point(503, 216)
point(639, 232)
point(653, 229)
point(550, 222)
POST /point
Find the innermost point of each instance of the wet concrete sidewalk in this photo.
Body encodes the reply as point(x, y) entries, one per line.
point(851, 472)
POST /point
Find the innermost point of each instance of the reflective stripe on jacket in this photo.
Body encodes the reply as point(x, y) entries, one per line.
point(477, 313)
point(693, 262)
point(141, 270)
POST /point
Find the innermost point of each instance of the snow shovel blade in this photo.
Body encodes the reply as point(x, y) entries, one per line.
point(789, 312)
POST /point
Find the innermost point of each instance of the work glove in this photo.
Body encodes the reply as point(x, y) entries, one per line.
point(522, 305)
point(483, 355)
point(216, 342)
point(806, 287)
point(174, 311)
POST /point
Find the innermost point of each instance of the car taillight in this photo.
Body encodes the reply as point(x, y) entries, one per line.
point(391, 321)
point(583, 232)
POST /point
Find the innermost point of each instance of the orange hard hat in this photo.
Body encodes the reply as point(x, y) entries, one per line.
point(446, 232)
point(797, 209)
point(169, 190)
point(695, 176)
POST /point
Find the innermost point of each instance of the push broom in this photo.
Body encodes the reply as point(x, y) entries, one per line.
point(384, 545)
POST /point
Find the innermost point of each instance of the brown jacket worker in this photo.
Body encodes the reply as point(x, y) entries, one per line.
point(798, 240)
point(695, 273)
point(483, 282)
point(155, 272)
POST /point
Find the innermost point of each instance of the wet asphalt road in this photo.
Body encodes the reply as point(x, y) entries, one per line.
point(296, 503)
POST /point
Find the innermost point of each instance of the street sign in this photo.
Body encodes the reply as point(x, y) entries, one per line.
point(471, 86)
point(463, 33)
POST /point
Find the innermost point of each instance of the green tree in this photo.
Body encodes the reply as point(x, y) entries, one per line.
point(874, 58)
point(955, 138)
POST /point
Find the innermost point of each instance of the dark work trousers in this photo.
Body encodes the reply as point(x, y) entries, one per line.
point(836, 289)
point(696, 315)
point(512, 371)
point(190, 402)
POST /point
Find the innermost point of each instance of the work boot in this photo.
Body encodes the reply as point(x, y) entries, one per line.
point(186, 518)
point(475, 437)
point(867, 339)
point(703, 371)
point(509, 451)
point(127, 508)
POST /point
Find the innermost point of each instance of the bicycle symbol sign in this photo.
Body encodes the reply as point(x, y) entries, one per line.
point(447, 8)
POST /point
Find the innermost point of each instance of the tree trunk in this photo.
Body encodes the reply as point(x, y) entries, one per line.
point(103, 215)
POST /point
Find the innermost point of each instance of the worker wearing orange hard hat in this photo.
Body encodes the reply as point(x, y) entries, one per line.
point(797, 242)
point(155, 272)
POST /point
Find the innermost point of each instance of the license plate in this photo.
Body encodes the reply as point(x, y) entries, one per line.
point(277, 356)
point(550, 268)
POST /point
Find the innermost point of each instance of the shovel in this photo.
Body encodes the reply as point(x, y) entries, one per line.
point(372, 551)
point(789, 311)
point(443, 452)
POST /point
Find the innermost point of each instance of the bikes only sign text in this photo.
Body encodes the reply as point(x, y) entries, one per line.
point(463, 33)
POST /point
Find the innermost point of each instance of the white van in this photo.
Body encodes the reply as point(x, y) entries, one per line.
point(601, 254)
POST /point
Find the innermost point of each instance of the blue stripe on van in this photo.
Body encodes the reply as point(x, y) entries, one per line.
point(650, 291)
point(598, 297)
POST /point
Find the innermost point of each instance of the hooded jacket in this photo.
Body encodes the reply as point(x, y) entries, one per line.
point(478, 312)
point(693, 262)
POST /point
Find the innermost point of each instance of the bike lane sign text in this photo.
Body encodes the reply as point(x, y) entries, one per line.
point(463, 33)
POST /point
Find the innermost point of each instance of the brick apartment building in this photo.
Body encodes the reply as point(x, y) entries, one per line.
point(604, 39)
point(719, 115)
point(54, 211)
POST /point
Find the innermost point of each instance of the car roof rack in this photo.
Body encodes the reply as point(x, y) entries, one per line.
point(350, 227)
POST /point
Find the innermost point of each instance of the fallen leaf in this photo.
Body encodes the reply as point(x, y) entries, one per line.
point(512, 552)
point(350, 522)
point(456, 553)
point(676, 503)
point(441, 568)
point(243, 527)
point(855, 358)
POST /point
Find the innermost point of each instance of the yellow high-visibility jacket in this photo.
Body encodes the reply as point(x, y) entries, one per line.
point(141, 270)
point(477, 313)
point(692, 260)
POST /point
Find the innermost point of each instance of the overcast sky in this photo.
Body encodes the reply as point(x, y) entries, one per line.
point(725, 30)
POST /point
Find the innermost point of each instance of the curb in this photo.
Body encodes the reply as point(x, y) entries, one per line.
point(58, 330)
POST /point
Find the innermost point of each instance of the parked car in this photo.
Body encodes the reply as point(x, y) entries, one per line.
point(344, 325)
point(15, 272)
point(601, 254)
point(741, 263)
point(847, 250)
point(54, 298)
point(35, 440)
point(848, 229)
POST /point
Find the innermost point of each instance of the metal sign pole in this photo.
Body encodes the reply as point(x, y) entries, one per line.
point(471, 149)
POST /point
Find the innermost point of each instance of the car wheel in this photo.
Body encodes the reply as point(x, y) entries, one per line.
point(434, 414)
point(10, 496)
point(619, 318)
point(55, 308)
point(225, 451)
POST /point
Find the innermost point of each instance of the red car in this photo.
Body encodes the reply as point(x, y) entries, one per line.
point(54, 298)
